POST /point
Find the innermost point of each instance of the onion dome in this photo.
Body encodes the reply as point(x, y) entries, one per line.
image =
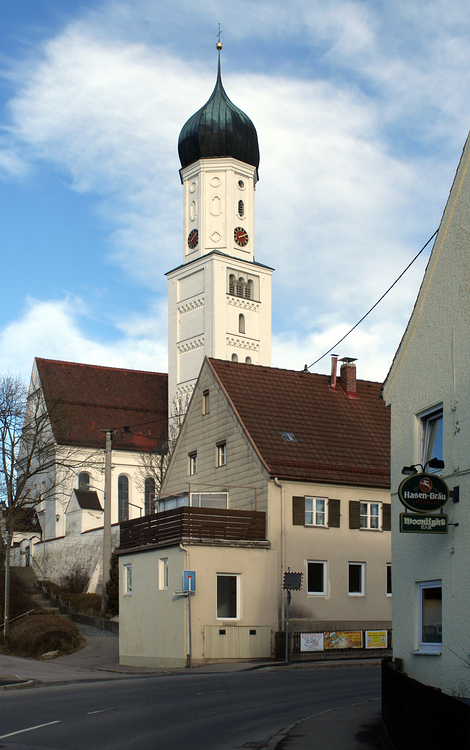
point(218, 129)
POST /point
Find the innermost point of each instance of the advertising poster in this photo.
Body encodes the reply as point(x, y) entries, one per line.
point(311, 642)
point(376, 639)
point(343, 639)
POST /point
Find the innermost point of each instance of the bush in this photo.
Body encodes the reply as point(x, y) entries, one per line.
point(34, 636)
point(76, 580)
point(20, 601)
point(84, 602)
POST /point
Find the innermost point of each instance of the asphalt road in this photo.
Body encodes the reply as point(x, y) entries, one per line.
point(195, 712)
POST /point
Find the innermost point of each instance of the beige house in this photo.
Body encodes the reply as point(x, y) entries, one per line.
point(428, 388)
point(273, 470)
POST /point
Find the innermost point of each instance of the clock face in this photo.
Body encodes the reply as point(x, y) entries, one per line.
point(193, 238)
point(241, 236)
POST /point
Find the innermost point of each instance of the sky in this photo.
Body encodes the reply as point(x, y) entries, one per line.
point(361, 108)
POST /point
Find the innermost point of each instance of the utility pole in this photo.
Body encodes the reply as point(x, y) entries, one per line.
point(107, 509)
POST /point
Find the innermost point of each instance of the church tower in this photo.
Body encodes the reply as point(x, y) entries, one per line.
point(219, 299)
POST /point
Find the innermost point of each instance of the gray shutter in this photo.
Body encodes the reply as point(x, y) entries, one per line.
point(386, 517)
point(298, 511)
point(334, 513)
point(354, 514)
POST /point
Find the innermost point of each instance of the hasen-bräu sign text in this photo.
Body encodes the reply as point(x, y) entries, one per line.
point(423, 493)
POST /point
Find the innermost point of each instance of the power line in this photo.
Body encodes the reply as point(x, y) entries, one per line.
point(374, 306)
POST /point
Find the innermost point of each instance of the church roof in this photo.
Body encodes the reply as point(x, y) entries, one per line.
point(218, 129)
point(87, 399)
point(304, 430)
point(88, 500)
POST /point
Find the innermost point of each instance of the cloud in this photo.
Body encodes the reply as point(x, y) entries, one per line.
point(54, 330)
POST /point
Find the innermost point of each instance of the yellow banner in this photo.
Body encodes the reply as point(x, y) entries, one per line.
point(376, 639)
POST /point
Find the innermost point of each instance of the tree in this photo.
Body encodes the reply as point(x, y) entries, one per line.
point(33, 468)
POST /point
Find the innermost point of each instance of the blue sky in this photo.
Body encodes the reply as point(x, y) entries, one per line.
point(361, 108)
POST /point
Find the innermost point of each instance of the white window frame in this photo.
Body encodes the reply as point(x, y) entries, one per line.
point(127, 579)
point(192, 463)
point(221, 454)
point(163, 573)
point(387, 592)
point(427, 647)
point(369, 516)
point(362, 591)
point(237, 577)
point(425, 419)
point(315, 513)
point(324, 564)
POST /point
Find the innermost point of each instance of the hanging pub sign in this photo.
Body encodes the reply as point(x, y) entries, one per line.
point(423, 492)
point(432, 523)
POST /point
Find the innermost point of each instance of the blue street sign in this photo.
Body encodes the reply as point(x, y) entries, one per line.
point(189, 580)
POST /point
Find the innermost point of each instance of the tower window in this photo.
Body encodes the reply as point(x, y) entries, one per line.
point(249, 289)
point(241, 323)
point(234, 357)
point(248, 360)
point(232, 283)
point(241, 208)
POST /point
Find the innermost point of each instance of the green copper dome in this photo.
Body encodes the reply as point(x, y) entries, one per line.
point(218, 129)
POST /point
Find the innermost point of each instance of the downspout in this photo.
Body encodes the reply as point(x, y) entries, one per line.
point(283, 552)
point(186, 613)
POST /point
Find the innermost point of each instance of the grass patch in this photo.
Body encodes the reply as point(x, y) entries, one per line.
point(36, 635)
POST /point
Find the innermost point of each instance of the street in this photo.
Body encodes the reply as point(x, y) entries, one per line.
point(195, 711)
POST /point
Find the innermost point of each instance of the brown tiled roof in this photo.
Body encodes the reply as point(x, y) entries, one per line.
point(88, 500)
point(337, 439)
point(88, 399)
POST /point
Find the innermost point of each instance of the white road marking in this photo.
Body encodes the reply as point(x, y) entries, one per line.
point(29, 729)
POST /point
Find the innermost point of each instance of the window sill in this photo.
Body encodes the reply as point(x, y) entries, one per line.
point(315, 525)
point(425, 652)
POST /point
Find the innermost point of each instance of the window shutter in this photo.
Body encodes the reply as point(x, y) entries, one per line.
point(354, 514)
point(387, 517)
point(334, 513)
point(298, 511)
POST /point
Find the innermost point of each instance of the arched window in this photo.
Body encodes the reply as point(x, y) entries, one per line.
point(149, 496)
point(234, 357)
point(241, 287)
point(249, 289)
point(241, 323)
point(123, 498)
point(248, 360)
point(83, 480)
point(232, 282)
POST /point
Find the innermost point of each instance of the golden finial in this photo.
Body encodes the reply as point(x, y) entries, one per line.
point(219, 43)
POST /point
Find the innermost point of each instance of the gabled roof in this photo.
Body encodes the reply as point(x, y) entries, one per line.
point(89, 399)
point(88, 500)
point(336, 439)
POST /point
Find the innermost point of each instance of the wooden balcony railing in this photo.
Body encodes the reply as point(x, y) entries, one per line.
point(197, 524)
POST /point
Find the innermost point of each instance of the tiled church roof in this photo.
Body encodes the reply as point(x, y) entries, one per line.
point(329, 437)
point(88, 399)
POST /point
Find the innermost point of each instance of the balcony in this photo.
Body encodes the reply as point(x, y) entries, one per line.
point(193, 524)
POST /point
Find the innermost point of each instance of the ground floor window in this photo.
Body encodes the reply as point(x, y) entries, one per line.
point(430, 615)
point(163, 572)
point(316, 577)
point(128, 579)
point(227, 597)
point(356, 578)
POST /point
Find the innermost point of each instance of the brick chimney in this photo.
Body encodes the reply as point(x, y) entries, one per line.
point(347, 376)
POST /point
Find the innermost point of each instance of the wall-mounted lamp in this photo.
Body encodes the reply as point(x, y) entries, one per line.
point(433, 463)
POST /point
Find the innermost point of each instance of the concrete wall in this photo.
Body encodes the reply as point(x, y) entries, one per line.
point(432, 367)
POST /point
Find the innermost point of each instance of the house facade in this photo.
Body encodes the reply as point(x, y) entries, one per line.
point(428, 389)
point(273, 470)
